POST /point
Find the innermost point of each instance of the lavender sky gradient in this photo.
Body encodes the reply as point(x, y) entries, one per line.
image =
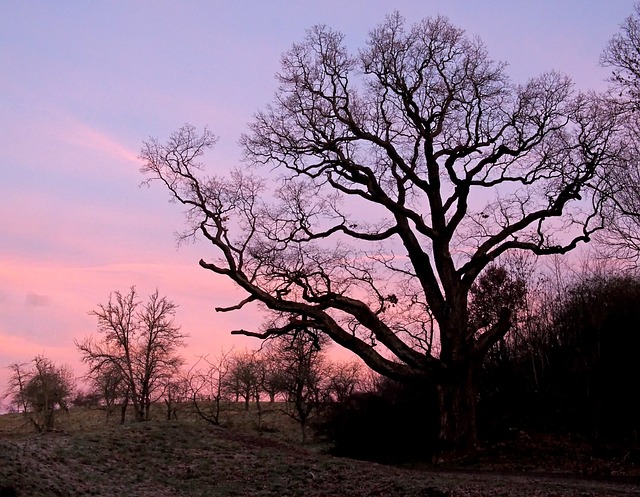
point(82, 84)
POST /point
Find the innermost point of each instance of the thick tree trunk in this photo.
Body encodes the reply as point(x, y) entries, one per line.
point(458, 399)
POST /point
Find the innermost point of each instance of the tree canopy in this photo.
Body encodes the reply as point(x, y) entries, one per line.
point(395, 176)
point(622, 55)
point(138, 347)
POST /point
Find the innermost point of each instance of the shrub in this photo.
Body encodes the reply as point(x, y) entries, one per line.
point(393, 423)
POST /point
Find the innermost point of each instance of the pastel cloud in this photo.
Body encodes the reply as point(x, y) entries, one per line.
point(83, 135)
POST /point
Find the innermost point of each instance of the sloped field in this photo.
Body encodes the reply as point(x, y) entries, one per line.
point(162, 458)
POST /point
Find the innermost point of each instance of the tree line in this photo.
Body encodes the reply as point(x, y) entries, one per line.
point(134, 361)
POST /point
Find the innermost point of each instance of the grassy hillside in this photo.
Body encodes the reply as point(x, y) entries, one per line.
point(189, 458)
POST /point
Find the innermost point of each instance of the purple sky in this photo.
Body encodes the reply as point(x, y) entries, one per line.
point(82, 84)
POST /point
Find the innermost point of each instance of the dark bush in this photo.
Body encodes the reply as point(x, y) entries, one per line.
point(86, 399)
point(8, 491)
point(590, 375)
point(395, 423)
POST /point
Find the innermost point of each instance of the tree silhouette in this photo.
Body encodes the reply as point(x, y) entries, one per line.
point(304, 372)
point(622, 55)
point(139, 345)
point(403, 172)
point(40, 389)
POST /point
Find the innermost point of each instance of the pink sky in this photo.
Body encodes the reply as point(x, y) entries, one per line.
point(83, 84)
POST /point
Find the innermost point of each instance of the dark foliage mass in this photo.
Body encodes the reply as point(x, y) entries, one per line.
point(393, 423)
point(591, 373)
point(585, 388)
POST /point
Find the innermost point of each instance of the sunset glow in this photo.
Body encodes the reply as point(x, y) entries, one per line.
point(82, 86)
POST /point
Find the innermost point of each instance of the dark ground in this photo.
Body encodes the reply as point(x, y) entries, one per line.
point(161, 458)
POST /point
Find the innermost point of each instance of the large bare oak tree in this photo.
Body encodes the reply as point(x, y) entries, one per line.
point(399, 173)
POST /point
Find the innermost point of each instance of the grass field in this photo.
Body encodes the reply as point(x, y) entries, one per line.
point(185, 457)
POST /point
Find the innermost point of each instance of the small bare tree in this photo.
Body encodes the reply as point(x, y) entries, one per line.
point(344, 379)
point(273, 379)
point(15, 394)
point(139, 344)
point(302, 363)
point(175, 393)
point(40, 389)
point(206, 381)
point(243, 378)
point(111, 384)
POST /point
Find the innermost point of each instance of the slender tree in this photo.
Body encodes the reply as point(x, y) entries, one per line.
point(207, 386)
point(244, 377)
point(272, 379)
point(110, 383)
point(304, 373)
point(15, 393)
point(175, 393)
point(404, 171)
point(344, 379)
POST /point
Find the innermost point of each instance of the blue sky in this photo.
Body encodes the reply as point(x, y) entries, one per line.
point(82, 84)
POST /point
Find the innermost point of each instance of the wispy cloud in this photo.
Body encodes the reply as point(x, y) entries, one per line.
point(83, 135)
